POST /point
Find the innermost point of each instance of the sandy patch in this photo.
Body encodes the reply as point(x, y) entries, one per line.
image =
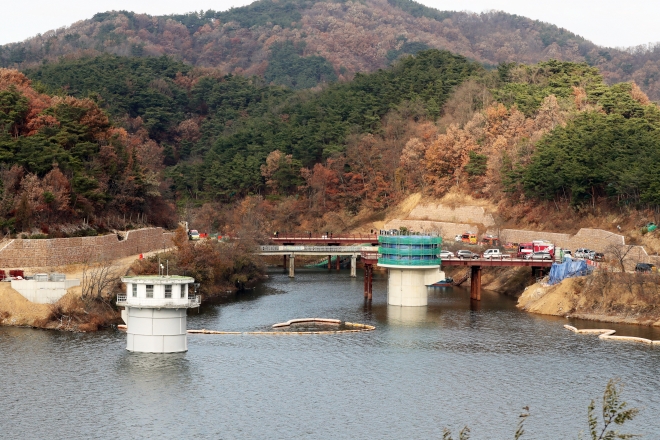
point(557, 300)
point(16, 310)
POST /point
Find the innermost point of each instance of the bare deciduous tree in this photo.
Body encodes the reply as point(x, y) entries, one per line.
point(98, 280)
point(620, 253)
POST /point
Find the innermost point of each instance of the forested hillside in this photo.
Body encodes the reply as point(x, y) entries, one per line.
point(62, 162)
point(92, 138)
point(300, 43)
point(215, 130)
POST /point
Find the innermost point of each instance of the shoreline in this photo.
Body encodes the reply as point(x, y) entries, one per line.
point(566, 299)
point(595, 317)
point(578, 298)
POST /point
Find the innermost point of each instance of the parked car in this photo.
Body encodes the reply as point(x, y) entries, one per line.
point(645, 267)
point(193, 234)
point(447, 254)
point(459, 237)
point(596, 256)
point(567, 253)
point(495, 253)
point(467, 254)
point(538, 256)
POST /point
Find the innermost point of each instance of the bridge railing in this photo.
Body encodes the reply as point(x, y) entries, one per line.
point(320, 249)
point(191, 300)
point(330, 237)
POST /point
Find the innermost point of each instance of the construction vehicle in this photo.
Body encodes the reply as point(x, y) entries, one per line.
point(490, 241)
point(469, 238)
point(524, 249)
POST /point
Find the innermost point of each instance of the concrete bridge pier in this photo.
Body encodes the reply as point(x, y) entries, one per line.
point(338, 263)
point(329, 262)
point(353, 266)
point(407, 287)
point(292, 266)
point(475, 283)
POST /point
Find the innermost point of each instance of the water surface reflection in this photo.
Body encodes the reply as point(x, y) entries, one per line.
point(448, 364)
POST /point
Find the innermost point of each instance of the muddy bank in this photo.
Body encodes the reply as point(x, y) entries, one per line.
point(69, 313)
point(600, 297)
point(17, 311)
point(623, 298)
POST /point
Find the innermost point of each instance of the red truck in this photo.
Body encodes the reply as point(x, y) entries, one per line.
point(535, 246)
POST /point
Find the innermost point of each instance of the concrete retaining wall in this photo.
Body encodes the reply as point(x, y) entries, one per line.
point(21, 253)
point(43, 292)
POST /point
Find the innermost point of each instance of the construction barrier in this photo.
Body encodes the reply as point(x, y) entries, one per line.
point(607, 334)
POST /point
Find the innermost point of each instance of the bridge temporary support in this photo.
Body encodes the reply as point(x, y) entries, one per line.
point(475, 283)
point(537, 272)
point(538, 266)
point(292, 266)
point(353, 266)
point(463, 278)
point(368, 281)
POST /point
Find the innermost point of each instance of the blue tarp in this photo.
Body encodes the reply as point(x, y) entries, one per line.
point(569, 268)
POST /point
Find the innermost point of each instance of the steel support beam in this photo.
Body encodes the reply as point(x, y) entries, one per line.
point(368, 281)
point(371, 279)
point(475, 283)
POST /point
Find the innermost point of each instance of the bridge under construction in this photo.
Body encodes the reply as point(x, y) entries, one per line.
point(363, 246)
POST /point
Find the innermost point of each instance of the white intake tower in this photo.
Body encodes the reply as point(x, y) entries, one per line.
point(155, 312)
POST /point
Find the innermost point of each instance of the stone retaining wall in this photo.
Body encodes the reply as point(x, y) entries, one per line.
point(453, 221)
point(22, 253)
point(446, 229)
point(461, 214)
point(596, 239)
point(450, 222)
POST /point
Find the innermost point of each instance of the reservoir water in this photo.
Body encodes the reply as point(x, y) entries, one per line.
point(422, 369)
